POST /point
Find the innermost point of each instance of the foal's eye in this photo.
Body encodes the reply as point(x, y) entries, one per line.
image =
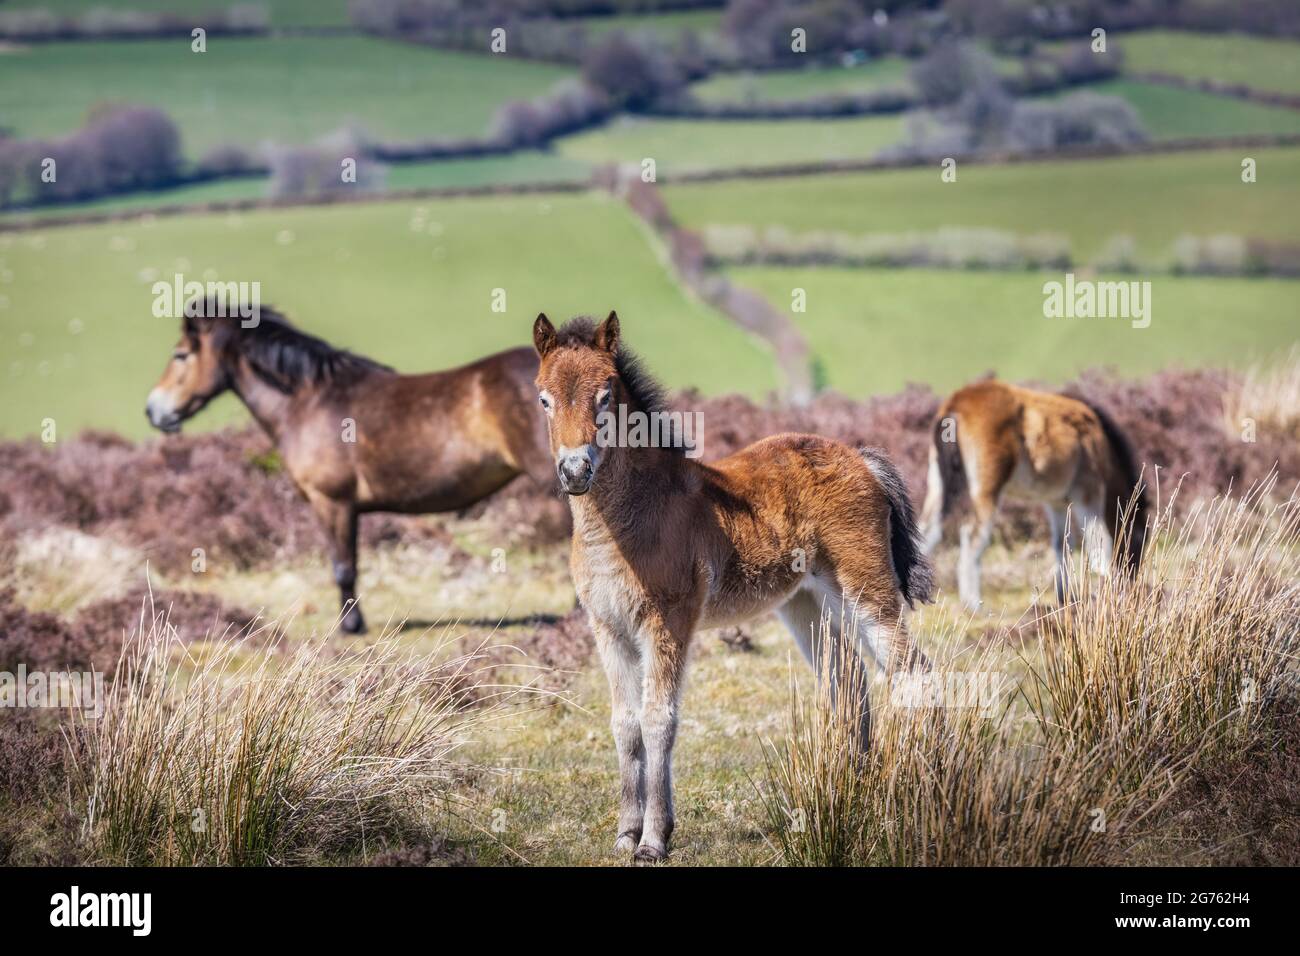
point(180, 356)
point(546, 402)
point(602, 398)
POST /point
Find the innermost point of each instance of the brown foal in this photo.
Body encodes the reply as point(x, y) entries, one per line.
point(664, 545)
point(354, 435)
point(991, 439)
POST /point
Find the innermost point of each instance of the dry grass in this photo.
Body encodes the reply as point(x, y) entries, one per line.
point(1268, 397)
point(1131, 687)
point(246, 751)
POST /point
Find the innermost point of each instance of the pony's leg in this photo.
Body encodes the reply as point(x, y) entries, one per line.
point(1058, 521)
point(1097, 540)
point(975, 537)
point(339, 519)
point(622, 663)
point(665, 642)
point(814, 623)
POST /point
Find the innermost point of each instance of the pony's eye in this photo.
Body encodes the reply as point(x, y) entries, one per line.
point(546, 402)
point(602, 398)
point(180, 356)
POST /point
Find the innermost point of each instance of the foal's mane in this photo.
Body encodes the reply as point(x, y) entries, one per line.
point(286, 357)
point(647, 393)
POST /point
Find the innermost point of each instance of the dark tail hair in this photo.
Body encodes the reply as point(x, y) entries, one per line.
point(951, 470)
point(1132, 497)
point(911, 566)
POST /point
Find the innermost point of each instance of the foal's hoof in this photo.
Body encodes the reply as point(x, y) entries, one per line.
point(649, 853)
point(627, 842)
point(353, 622)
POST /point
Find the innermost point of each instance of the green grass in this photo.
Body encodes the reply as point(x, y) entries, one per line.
point(1152, 198)
point(803, 84)
point(410, 283)
point(877, 330)
point(248, 91)
point(666, 25)
point(283, 13)
point(1257, 62)
point(1171, 113)
point(685, 145)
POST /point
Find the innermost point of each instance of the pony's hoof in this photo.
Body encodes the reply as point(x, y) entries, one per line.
point(627, 842)
point(353, 623)
point(649, 853)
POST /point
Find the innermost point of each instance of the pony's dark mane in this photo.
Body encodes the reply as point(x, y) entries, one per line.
point(286, 357)
point(647, 393)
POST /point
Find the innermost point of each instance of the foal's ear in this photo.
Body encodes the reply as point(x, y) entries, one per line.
point(607, 333)
point(543, 335)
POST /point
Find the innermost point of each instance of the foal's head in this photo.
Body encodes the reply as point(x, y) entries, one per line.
point(577, 381)
point(195, 374)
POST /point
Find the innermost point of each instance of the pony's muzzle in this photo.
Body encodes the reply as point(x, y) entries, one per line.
point(161, 412)
point(575, 470)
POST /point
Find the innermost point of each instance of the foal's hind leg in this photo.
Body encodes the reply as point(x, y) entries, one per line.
point(816, 632)
point(976, 535)
point(339, 519)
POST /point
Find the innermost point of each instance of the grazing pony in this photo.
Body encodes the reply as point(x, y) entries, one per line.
point(1059, 450)
point(354, 435)
point(664, 545)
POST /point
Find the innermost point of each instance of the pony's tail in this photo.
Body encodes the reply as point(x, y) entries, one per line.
point(945, 479)
point(911, 566)
point(1130, 497)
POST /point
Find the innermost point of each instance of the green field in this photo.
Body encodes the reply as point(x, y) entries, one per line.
point(1257, 62)
point(410, 283)
point(874, 331)
point(1153, 198)
point(284, 13)
point(685, 145)
point(781, 85)
point(1171, 113)
point(250, 91)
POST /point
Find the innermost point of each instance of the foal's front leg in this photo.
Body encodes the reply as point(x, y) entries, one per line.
point(622, 662)
point(664, 666)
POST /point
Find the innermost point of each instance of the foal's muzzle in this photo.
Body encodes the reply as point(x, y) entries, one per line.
point(575, 470)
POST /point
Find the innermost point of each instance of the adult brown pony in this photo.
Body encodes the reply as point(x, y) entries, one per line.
point(991, 439)
point(354, 435)
point(664, 545)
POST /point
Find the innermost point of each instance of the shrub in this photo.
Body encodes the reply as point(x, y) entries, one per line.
point(631, 74)
point(1080, 119)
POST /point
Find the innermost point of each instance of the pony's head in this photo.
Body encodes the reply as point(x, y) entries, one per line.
point(577, 381)
point(195, 373)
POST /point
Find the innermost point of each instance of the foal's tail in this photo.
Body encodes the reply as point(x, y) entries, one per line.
point(945, 480)
point(911, 566)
